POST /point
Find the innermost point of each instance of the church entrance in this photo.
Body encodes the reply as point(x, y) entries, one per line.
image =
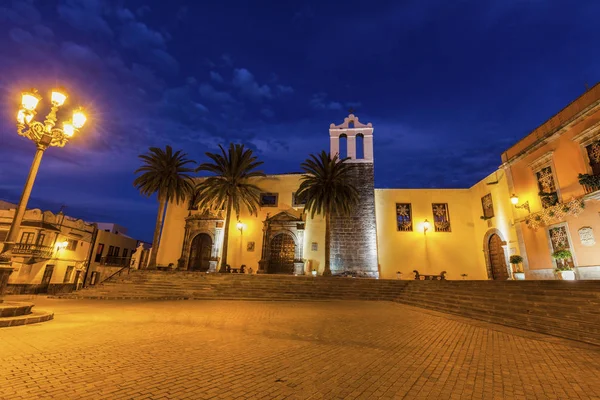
point(282, 251)
point(497, 259)
point(200, 253)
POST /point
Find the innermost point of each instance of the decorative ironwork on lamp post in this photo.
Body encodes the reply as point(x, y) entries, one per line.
point(43, 134)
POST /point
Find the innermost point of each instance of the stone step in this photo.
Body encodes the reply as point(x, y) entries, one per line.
point(31, 318)
point(13, 309)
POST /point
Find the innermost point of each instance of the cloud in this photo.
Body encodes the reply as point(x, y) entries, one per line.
point(137, 35)
point(210, 93)
point(319, 102)
point(283, 89)
point(215, 76)
point(164, 61)
point(85, 15)
point(248, 87)
point(227, 60)
point(21, 36)
point(267, 112)
point(125, 15)
point(73, 52)
point(22, 12)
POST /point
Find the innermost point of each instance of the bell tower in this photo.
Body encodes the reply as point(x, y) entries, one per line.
point(354, 238)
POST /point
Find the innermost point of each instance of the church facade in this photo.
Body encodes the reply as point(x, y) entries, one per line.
point(468, 233)
point(385, 238)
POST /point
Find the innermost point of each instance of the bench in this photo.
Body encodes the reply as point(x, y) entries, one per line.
point(240, 270)
point(425, 277)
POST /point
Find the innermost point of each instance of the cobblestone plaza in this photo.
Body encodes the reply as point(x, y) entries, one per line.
point(276, 350)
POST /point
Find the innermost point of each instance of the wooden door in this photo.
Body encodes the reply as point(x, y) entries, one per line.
point(497, 258)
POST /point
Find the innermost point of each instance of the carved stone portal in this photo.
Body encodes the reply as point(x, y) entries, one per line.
point(283, 244)
point(586, 236)
point(202, 241)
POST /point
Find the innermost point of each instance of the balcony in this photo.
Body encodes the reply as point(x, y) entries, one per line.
point(590, 185)
point(34, 250)
point(115, 261)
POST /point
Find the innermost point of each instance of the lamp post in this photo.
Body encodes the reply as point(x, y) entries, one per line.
point(43, 134)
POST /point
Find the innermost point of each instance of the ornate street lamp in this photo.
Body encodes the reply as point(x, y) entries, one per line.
point(43, 134)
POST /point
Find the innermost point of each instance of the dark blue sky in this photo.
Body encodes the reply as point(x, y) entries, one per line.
point(448, 85)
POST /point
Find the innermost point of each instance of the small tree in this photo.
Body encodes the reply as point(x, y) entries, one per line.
point(327, 190)
point(163, 172)
point(516, 260)
point(562, 257)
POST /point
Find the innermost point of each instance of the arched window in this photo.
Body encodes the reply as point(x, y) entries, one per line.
point(360, 146)
point(343, 146)
point(350, 124)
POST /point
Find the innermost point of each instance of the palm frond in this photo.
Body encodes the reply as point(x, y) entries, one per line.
point(326, 187)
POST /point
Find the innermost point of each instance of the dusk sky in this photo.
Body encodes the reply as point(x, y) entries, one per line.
point(448, 86)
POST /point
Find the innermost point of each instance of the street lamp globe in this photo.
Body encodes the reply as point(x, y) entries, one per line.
point(68, 129)
point(79, 118)
point(30, 100)
point(58, 97)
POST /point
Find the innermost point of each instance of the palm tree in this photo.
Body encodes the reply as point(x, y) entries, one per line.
point(230, 186)
point(327, 190)
point(163, 172)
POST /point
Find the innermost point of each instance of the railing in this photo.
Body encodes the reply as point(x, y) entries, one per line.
point(35, 250)
point(116, 261)
point(119, 272)
point(589, 189)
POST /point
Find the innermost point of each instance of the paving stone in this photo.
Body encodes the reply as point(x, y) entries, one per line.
point(271, 350)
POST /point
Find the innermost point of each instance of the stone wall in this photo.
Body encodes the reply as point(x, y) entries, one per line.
point(53, 288)
point(354, 238)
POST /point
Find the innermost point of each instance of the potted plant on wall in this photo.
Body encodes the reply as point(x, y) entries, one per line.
point(518, 273)
point(563, 268)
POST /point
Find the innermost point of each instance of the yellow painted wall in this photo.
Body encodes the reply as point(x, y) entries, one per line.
point(174, 229)
point(454, 252)
point(502, 223)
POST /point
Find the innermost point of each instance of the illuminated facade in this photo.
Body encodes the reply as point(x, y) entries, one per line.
point(384, 237)
point(563, 210)
point(51, 251)
point(468, 233)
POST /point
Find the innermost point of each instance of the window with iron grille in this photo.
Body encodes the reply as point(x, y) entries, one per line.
point(487, 206)
point(40, 239)
point(593, 152)
point(547, 187)
point(441, 217)
point(404, 221)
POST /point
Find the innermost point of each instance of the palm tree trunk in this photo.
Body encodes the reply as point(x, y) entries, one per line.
point(226, 236)
point(327, 270)
point(155, 240)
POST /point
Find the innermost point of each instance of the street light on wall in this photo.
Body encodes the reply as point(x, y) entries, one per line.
point(44, 134)
point(241, 227)
point(426, 226)
point(514, 199)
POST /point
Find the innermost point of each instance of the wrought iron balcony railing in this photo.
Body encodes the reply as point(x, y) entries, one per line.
point(589, 189)
point(116, 261)
point(35, 250)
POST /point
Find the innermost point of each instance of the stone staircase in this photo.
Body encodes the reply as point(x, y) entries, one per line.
point(181, 285)
point(15, 314)
point(569, 309)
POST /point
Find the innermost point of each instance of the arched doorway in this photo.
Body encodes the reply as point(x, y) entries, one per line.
point(497, 258)
point(282, 250)
point(200, 253)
